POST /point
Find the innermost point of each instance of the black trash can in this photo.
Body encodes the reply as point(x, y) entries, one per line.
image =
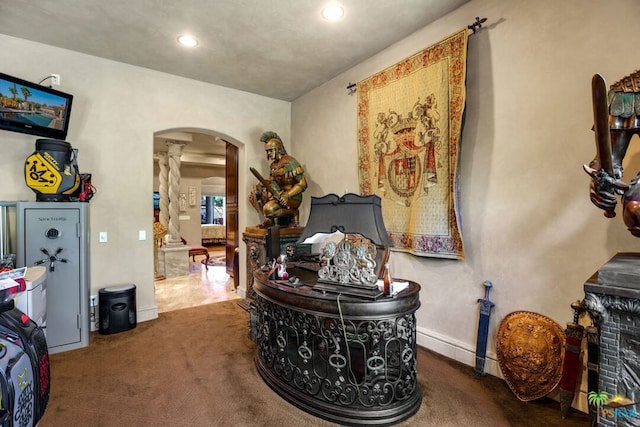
point(117, 309)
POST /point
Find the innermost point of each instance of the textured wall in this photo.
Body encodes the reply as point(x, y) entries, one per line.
point(116, 111)
point(527, 222)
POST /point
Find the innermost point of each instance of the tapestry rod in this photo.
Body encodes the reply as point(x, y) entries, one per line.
point(477, 25)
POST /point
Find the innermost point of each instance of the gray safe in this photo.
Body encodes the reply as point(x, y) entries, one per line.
point(56, 235)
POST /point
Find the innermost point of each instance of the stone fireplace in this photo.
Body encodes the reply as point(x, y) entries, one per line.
point(612, 298)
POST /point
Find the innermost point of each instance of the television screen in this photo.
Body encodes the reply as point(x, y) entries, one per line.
point(33, 109)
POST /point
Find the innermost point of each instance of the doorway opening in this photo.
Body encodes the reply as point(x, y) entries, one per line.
point(203, 218)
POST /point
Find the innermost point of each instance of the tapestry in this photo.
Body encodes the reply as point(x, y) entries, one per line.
point(409, 127)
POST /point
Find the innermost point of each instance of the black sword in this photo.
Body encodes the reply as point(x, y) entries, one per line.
point(483, 329)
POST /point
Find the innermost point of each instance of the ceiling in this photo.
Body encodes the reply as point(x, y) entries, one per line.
point(203, 155)
point(280, 49)
point(277, 48)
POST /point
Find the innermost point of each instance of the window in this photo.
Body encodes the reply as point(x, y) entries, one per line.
point(212, 210)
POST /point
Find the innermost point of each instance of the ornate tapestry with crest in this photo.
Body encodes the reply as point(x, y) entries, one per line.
point(409, 127)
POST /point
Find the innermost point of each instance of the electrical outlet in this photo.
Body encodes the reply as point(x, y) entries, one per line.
point(55, 79)
point(93, 311)
point(142, 235)
point(102, 237)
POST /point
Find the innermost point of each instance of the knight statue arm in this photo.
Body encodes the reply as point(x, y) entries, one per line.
point(299, 185)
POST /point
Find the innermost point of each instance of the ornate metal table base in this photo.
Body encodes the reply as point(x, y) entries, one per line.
point(361, 374)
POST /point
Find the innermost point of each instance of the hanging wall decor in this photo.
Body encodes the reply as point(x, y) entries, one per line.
point(409, 127)
point(192, 196)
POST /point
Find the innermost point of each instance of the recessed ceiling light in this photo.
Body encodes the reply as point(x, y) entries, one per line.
point(187, 40)
point(332, 12)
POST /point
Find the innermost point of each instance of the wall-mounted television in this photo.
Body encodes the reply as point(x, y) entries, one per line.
point(33, 109)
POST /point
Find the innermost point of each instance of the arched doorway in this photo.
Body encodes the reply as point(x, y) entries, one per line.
point(208, 171)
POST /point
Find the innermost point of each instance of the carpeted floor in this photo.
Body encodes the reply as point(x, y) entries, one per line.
point(195, 367)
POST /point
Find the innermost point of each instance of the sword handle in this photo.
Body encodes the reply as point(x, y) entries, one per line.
point(485, 303)
point(577, 309)
point(488, 285)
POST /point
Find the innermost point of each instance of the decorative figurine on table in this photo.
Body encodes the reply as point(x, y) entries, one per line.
point(279, 196)
point(281, 266)
point(616, 120)
point(349, 262)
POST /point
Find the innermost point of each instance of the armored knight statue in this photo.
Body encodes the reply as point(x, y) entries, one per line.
point(279, 196)
point(616, 121)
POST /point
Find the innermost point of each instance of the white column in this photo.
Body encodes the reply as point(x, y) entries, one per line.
point(175, 153)
point(163, 187)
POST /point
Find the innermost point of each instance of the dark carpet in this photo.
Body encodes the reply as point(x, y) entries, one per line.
point(195, 367)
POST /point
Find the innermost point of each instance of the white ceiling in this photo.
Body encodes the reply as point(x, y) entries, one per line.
point(203, 155)
point(277, 48)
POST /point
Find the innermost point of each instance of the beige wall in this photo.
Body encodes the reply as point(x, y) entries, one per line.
point(116, 110)
point(190, 219)
point(527, 222)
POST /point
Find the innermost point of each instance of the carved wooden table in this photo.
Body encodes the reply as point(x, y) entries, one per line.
point(346, 359)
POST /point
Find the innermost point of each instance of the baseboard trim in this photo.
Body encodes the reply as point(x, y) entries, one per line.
point(147, 314)
point(463, 353)
point(456, 350)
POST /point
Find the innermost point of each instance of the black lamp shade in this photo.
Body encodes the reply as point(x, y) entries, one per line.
point(349, 214)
